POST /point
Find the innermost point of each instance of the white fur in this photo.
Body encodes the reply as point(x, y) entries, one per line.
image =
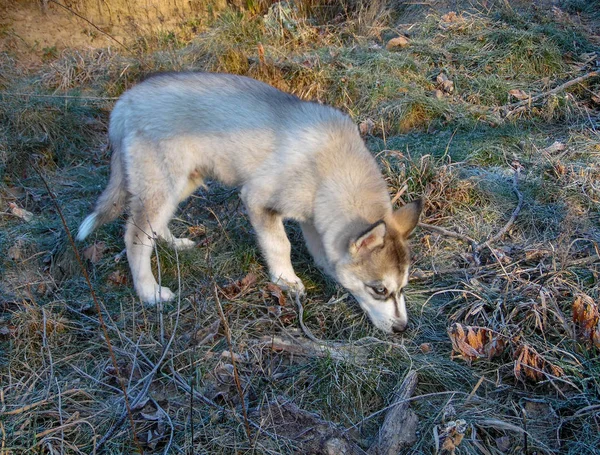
point(291, 159)
point(86, 227)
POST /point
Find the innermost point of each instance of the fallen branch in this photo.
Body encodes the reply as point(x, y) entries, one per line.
point(311, 348)
point(400, 424)
point(511, 109)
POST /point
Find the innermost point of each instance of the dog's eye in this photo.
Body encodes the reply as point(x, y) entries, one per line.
point(379, 290)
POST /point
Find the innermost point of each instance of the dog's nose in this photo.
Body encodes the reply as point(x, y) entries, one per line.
point(399, 327)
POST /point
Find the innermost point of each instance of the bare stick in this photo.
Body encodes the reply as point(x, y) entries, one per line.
point(305, 329)
point(515, 212)
point(509, 107)
point(96, 304)
point(400, 424)
point(447, 233)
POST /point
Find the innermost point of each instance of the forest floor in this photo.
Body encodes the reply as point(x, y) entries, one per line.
point(491, 114)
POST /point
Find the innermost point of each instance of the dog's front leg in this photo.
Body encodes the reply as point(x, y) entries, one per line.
point(275, 245)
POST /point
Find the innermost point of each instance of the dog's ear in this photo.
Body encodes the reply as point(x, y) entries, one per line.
point(407, 217)
point(370, 239)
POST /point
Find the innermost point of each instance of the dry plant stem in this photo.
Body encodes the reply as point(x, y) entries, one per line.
point(236, 376)
point(96, 304)
point(509, 108)
point(514, 215)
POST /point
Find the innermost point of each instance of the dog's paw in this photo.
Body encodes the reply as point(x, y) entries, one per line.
point(183, 244)
point(156, 294)
point(293, 285)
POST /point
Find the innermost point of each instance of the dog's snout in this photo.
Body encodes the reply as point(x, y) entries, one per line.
point(399, 327)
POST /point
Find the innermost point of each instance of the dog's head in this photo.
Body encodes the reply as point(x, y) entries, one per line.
point(376, 267)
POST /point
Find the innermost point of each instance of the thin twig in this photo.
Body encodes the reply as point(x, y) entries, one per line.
point(305, 329)
point(447, 233)
point(515, 212)
point(96, 304)
point(92, 24)
point(236, 376)
point(509, 108)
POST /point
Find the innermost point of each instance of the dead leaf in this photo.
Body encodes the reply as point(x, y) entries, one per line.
point(586, 319)
point(503, 443)
point(596, 99)
point(207, 334)
point(276, 292)
point(519, 94)
point(399, 42)
point(117, 278)
point(196, 231)
point(475, 342)
point(366, 127)
point(239, 287)
point(452, 17)
point(557, 146)
point(529, 364)
point(452, 435)
point(19, 212)
point(95, 252)
point(444, 83)
point(425, 348)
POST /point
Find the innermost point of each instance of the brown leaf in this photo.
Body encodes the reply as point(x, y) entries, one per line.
point(444, 83)
point(518, 94)
point(238, 288)
point(475, 342)
point(399, 42)
point(276, 292)
point(425, 348)
point(586, 319)
point(366, 127)
point(95, 252)
point(19, 212)
point(529, 364)
point(196, 231)
point(117, 278)
point(207, 334)
point(556, 146)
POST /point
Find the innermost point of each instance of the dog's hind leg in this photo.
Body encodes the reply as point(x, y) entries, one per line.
point(273, 242)
point(147, 220)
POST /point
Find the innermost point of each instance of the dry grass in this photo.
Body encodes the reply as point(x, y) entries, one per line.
point(504, 335)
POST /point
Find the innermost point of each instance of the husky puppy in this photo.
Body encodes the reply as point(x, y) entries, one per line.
point(291, 159)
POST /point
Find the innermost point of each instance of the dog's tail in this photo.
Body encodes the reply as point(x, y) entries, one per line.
point(111, 202)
